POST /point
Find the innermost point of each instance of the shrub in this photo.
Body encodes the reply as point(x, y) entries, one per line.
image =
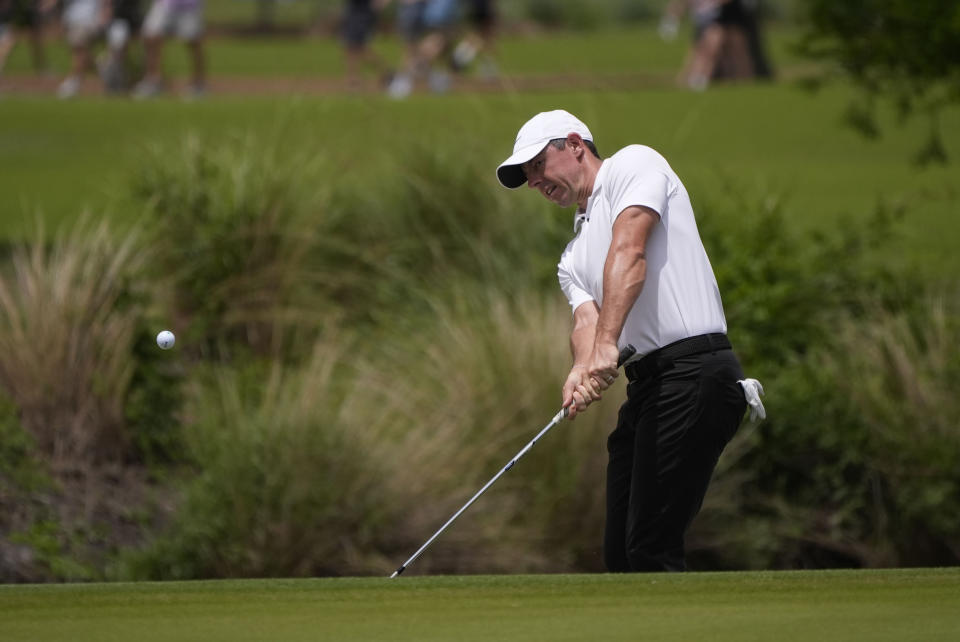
point(259, 247)
point(21, 474)
point(19, 468)
point(852, 467)
point(797, 490)
point(283, 486)
point(460, 398)
point(908, 414)
point(396, 347)
point(784, 288)
point(430, 222)
point(232, 226)
point(898, 51)
point(346, 464)
point(68, 317)
point(155, 398)
point(70, 313)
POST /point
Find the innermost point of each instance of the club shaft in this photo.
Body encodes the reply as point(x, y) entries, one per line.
point(553, 422)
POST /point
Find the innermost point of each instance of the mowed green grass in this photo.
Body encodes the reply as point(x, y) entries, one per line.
point(876, 605)
point(755, 142)
point(632, 49)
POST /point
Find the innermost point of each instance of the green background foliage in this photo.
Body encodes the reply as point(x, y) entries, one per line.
point(369, 328)
point(901, 52)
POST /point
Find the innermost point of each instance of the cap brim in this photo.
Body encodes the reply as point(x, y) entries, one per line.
point(510, 174)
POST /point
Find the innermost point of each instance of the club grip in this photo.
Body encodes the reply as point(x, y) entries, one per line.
point(627, 352)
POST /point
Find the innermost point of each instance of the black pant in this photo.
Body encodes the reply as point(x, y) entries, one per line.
point(679, 414)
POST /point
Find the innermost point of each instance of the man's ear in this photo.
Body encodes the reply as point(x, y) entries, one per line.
point(576, 143)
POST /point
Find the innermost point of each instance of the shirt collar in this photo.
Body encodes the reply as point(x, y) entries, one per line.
point(580, 216)
point(578, 220)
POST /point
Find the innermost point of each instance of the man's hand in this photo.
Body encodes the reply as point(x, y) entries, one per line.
point(586, 382)
point(602, 366)
point(579, 391)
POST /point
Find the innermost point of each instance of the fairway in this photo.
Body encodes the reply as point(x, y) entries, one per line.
point(911, 604)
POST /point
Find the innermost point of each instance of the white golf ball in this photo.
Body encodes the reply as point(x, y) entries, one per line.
point(166, 340)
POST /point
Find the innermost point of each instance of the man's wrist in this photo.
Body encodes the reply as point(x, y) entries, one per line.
point(604, 339)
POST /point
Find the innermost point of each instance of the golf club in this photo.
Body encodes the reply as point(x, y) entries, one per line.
point(627, 352)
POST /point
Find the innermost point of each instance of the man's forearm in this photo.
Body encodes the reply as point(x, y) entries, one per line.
point(624, 271)
point(584, 333)
point(623, 280)
point(581, 344)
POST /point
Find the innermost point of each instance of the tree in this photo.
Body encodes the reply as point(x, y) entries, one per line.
point(906, 52)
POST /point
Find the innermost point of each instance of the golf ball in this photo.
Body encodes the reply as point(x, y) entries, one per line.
point(166, 339)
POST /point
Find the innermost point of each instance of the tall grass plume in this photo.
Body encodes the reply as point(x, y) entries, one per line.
point(69, 311)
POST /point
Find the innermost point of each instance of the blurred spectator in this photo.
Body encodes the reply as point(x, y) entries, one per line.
point(125, 22)
point(357, 26)
point(29, 16)
point(427, 27)
point(440, 19)
point(726, 40)
point(762, 68)
point(409, 21)
point(83, 22)
point(479, 41)
point(180, 18)
point(7, 39)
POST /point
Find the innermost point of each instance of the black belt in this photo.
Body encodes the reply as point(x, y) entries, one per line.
point(662, 358)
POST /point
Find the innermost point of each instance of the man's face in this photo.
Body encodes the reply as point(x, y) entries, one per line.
point(556, 174)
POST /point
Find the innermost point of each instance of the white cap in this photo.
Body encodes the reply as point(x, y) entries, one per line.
point(533, 137)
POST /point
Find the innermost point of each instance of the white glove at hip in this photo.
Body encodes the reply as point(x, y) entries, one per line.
point(752, 389)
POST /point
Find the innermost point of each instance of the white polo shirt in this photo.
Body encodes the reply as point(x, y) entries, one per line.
point(680, 297)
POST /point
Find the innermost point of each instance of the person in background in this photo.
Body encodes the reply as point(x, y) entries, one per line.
point(357, 26)
point(427, 27)
point(30, 16)
point(7, 37)
point(636, 273)
point(125, 23)
point(441, 19)
point(84, 21)
point(180, 18)
point(720, 47)
point(409, 23)
point(480, 39)
point(762, 67)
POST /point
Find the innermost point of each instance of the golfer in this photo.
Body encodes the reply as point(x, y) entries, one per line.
point(637, 273)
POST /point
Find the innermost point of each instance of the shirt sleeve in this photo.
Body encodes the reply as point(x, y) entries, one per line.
point(575, 294)
point(639, 178)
